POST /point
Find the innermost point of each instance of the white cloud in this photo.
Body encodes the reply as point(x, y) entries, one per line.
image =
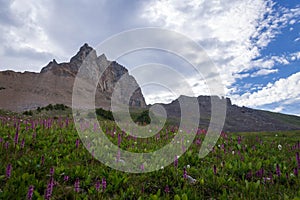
point(58, 28)
point(295, 56)
point(293, 21)
point(265, 65)
point(232, 32)
point(26, 42)
point(285, 90)
point(278, 109)
point(263, 72)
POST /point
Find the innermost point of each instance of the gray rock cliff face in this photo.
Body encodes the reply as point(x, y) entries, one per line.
point(238, 119)
point(54, 84)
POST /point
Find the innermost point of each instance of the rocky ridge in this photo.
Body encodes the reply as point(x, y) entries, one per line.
point(54, 83)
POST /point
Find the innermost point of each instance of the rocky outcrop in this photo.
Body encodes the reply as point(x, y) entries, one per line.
point(238, 119)
point(54, 84)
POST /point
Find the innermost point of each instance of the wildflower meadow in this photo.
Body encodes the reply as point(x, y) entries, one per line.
point(43, 158)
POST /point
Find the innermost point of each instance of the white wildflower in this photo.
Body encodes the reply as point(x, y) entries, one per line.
point(279, 147)
point(191, 179)
point(122, 161)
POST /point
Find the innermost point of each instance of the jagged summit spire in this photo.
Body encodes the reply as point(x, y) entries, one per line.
point(83, 52)
point(72, 67)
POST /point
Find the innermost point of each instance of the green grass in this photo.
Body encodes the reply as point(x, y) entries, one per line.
point(57, 144)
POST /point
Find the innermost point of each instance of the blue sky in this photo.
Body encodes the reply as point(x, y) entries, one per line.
point(254, 43)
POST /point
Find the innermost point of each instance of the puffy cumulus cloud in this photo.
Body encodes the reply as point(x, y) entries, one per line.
point(232, 32)
point(285, 90)
point(295, 56)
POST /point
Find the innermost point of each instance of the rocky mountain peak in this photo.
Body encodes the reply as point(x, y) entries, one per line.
point(71, 68)
point(50, 66)
point(54, 84)
point(83, 52)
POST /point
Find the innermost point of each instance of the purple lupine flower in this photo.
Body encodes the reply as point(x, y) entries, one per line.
point(23, 143)
point(249, 175)
point(296, 171)
point(103, 184)
point(97, 185)
point(158, 136)
point(222, 146)
point(1, 140)
point(77, 185)
point(16, 139)
point(167, 189)
point(184, 173)
point(77, 143)
point(95, 127)
point(32, 125)
point(66, 178)
point(278, 170)
point(67, 122)
point(257, 139)
point(143, 189)
point(118, 155)
point(298, 159)
point(142, 167)
point(119, 140)
point(6, 145)
point(8, 170)
point(242, 158)
point(239, 139)
point(270, 176)
point(49, 189)
point(30, 192)
point(176, 161)
point(42, 160)
point(215, 169)
point(52, 171)
point(33, 135)
point(260, 173)
point(287, 175)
